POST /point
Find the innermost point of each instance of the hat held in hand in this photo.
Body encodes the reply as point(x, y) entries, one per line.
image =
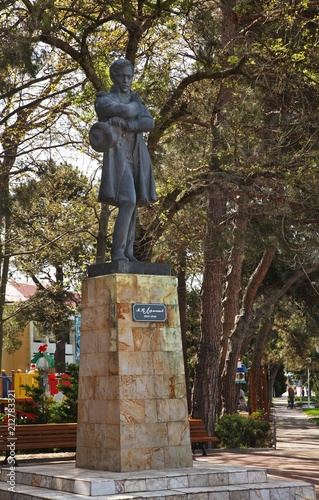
point(103, 136)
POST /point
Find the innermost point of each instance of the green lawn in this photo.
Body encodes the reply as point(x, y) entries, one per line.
point(313, 413)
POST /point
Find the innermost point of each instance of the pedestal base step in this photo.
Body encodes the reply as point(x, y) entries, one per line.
point(272, 490)
point(212, 482)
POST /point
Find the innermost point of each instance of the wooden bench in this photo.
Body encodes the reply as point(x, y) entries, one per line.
point(46, 436)
point(199, 435)
point(36, 436)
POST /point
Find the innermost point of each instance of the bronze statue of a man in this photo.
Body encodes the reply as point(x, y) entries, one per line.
point(127, 177)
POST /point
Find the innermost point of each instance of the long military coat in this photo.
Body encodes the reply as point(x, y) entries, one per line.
point(139, 120)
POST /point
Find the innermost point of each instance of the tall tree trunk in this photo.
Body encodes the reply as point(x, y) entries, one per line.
point(60, 339)
point(235, 264)
point(60, 331)
point(206, 370)
point(181, 280)
point(9, 142)
point(273, 370)
point(260, 341)
point(102, 236)
point(233, 283)
point(135, 32)
point(229, 390)
point(4, 272)
point(143, 246)
point(206, 380)
point(262, 335)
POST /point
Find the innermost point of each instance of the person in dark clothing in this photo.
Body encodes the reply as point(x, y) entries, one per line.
point(291, 395)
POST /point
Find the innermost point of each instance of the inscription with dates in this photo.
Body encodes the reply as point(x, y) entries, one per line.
point(149, 312)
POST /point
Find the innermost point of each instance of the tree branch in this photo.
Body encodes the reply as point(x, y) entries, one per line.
point(165, 119)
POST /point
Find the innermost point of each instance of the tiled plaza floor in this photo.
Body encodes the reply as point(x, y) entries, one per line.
point(297, 448)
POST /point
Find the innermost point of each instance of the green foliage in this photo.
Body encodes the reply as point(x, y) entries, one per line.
point(52, 226)
point(56, 206)
point(280, 382)
point(67, 411)
point(258, 415)
point(51, 306)
point(40, 406)
point(12, 327)
point(15, 52)
point(235, 431)
point(45, 409)
point(294, 337)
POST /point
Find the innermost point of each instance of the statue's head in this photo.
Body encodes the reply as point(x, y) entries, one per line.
point(117, 65)
point(122, 72)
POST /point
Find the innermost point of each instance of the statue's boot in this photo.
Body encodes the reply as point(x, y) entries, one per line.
point(131, 238)
point(121, 230)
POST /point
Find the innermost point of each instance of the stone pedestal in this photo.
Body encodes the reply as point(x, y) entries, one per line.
point(132, 410)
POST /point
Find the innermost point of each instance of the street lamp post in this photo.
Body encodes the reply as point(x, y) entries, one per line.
point(308, 389)
point(308, 360)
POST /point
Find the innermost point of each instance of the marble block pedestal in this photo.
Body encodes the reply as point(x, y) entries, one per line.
point(132, 409)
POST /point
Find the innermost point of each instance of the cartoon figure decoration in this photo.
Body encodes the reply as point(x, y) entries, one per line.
point(43, 354)
point(54, 379)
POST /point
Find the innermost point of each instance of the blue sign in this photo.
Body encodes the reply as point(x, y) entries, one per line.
point(77, 338)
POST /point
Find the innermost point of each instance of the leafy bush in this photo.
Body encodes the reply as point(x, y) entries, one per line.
point(235, 431)
point(45, 409)
point(67, 411)
point(258, 415)
point(40, 406)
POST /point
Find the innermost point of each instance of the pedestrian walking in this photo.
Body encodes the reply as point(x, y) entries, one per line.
point(291, 396)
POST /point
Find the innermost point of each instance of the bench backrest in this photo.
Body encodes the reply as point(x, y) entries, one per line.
point(35, 435)
point(197, 425)
point(28, 429)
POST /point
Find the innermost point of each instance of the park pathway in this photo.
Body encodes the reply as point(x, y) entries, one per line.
point(296, 455)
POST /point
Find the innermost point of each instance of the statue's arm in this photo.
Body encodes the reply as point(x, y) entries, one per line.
point(107, 108)
point(142, 123)
point(135, 114)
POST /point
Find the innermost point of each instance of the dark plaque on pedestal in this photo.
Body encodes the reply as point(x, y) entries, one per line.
point(149, 312)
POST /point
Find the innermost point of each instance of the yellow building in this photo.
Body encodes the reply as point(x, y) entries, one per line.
point(30, 338)
point(20, 359)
